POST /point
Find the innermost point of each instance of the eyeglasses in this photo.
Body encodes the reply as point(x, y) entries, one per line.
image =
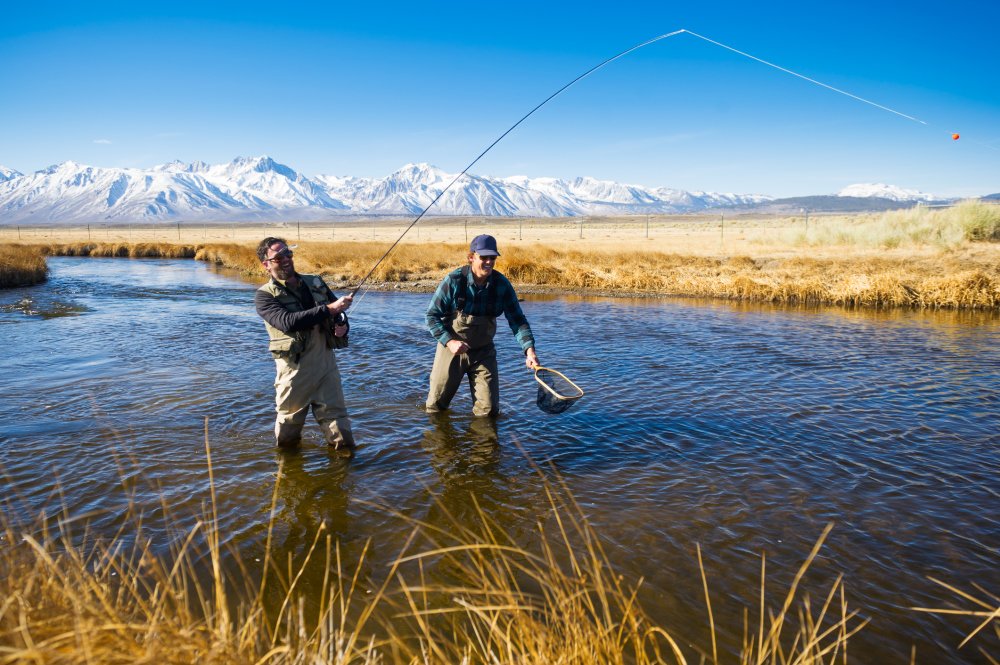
point(283, 254)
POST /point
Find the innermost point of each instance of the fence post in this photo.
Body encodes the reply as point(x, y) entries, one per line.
point(722, 228)
point(647, 226)
point(581, 227)
point(19, 232)
point(466, 220)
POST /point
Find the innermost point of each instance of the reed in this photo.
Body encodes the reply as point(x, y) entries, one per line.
point(548, 597)
point(21, 266)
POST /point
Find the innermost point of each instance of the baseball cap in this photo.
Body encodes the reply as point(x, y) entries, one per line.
point(484, 245)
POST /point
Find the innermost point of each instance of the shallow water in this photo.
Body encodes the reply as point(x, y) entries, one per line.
point(740, 428)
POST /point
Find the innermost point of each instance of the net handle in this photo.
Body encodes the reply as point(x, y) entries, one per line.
point(563, 377)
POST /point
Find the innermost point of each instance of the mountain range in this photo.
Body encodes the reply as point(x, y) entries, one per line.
point(255, 188)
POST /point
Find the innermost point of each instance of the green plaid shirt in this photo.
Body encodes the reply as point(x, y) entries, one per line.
point(444, 303)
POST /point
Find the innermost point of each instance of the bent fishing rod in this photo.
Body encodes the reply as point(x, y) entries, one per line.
point(500, 138)
point(585, 75)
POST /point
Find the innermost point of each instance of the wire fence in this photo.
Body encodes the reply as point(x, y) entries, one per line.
point(450, 230)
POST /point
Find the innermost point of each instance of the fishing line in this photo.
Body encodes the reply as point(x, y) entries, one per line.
point(501, 137)
point(805, 78)
point(585, 75)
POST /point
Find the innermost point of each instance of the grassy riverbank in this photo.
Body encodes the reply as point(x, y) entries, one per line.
point(912, 258)
point(544, 597)
point(21, 266)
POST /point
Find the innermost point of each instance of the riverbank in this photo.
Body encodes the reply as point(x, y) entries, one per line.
point(21, 267)
point(923, 259)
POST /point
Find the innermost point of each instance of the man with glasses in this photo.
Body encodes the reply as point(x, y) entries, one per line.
point(462, 317)
point(305, 321)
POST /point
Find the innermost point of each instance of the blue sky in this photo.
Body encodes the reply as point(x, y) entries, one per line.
point(364, 88)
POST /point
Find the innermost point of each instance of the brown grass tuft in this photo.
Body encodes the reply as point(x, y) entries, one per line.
point(21, 266)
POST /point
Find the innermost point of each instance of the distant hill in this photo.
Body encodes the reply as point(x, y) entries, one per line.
point(255, 188)
point(258, 188)
point(845, 204)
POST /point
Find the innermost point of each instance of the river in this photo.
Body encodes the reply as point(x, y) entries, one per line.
point(742, 429)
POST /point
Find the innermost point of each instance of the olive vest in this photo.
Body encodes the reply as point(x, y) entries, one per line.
point(291, 345)
point(478, 330)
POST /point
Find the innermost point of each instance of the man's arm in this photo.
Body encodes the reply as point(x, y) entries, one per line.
point(516, 319)
point(440, 309)
point(272, 311)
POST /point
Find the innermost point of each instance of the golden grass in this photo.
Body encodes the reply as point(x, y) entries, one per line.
point(912, 258)
point(67, 598)
point(119, 249)
point(21, 266)
point(944, 228)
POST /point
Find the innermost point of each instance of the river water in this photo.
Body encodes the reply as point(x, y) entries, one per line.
point(742, 429)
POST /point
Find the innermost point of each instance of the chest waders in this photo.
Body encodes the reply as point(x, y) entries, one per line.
point(306, 373)
point(479, 364)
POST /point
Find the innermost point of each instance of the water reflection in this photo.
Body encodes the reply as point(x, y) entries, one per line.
point(311, 493)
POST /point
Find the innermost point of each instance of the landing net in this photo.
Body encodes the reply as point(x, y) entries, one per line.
point(556, 393)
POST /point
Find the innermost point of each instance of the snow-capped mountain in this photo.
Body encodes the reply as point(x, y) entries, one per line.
point(259, 187)
point(891, 192)
point(7, 174)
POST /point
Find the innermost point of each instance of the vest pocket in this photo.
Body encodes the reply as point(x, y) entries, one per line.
point(284, 348)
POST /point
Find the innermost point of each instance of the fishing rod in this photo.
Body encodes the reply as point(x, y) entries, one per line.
point(585, 75)
point(500, 138)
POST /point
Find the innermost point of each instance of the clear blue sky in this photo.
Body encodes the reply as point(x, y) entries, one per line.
point(364, 88)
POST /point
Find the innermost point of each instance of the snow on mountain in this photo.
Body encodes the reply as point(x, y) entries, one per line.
point(259, 187)
point(8, 174)
point(878, 190)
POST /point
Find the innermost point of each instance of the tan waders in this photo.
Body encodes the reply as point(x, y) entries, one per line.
point(313, 380)
point(479, 364)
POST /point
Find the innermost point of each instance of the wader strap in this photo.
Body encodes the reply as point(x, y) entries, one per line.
point(461, 288)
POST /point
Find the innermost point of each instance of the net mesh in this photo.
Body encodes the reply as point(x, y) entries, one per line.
point(556, 393)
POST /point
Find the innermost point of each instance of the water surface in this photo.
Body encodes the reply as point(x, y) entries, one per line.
point(744, 429)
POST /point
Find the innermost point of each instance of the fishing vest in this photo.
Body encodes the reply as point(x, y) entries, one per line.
point(291, 345)
point(461, 284)
point(475, 330)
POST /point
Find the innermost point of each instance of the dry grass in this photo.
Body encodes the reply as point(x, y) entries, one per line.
point(943, 228)
point(21, 266)
point(914, 258)
point(119, 249)
point(67, 598)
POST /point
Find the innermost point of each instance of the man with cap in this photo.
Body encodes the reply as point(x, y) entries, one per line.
point(305, 321)
point(462, 317)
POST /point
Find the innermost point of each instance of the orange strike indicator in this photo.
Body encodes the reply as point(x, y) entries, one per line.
point(954, 137)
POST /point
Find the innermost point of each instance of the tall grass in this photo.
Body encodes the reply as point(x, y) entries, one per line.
point(920, 257)
point(944, 228)
point(548, 597)
point(21, 266)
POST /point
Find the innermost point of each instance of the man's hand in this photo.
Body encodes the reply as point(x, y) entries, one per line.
point(340, 305)
point(530, 359)
point(339, 330)
point(457, 346)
